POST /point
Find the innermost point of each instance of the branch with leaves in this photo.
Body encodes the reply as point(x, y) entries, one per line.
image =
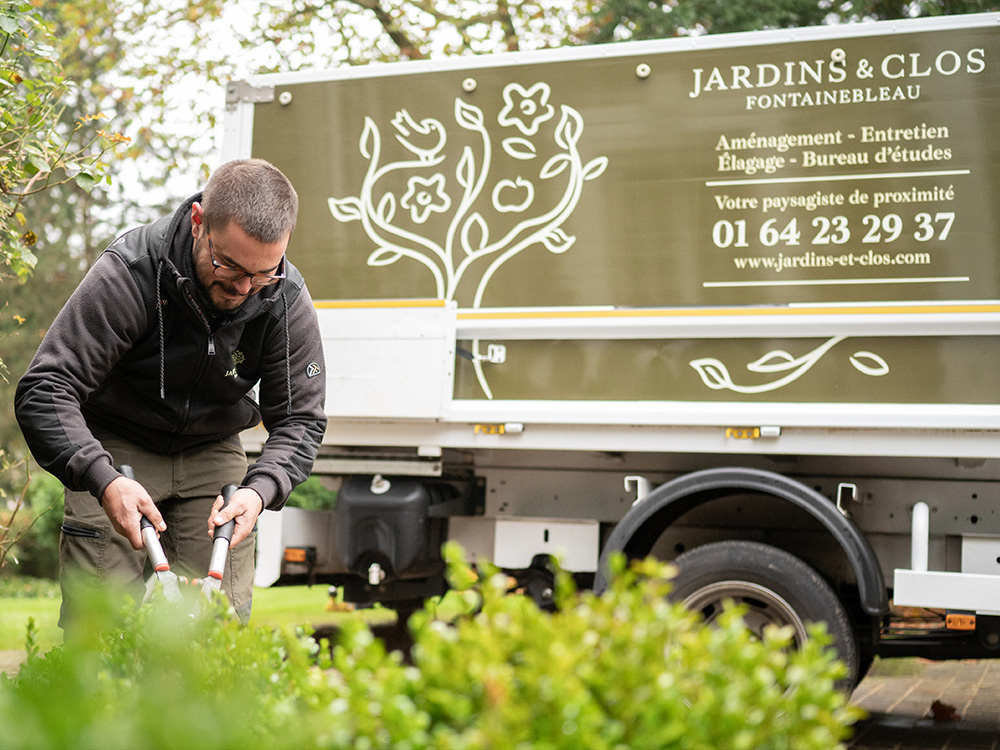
point(34, 154)
point(10, 532)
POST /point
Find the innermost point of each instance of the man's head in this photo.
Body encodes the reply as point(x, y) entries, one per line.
point(241, 230)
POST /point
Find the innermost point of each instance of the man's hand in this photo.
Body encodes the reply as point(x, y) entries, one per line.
point(245, 505)
point(125, 501)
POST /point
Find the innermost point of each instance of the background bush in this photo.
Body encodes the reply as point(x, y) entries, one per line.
point(37, 552)
point(624, 670)
point(312, 495)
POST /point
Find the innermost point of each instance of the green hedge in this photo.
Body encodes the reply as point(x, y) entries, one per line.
point(624, 670)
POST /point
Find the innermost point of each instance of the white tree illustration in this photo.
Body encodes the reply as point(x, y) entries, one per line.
point(467, 236)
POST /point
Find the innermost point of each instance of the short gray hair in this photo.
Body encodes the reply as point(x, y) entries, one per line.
point(255, 195)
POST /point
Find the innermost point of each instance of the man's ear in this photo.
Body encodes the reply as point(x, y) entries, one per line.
point(197, 218)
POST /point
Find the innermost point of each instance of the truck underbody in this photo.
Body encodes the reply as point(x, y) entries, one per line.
point(516, 508)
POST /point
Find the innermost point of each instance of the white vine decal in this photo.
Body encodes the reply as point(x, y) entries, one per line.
point(466, 236)
point(716, 376)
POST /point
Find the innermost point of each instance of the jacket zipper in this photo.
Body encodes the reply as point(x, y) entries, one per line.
point(202, 369)
point(204, 319)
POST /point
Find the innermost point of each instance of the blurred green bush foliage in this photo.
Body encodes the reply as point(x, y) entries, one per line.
point(37, 552)
point(312, 495)
point(626, 670)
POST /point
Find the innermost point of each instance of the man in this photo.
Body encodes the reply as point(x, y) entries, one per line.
point(151, 363)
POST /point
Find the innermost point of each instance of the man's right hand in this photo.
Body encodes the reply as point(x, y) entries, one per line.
point(125, 501)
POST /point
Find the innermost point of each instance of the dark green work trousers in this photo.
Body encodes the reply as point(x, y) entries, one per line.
point(183, 486)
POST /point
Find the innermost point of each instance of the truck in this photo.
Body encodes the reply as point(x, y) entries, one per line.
point(730, 301)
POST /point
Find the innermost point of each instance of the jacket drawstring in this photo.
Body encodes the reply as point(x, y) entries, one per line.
point(288, 367)
point(159, 314)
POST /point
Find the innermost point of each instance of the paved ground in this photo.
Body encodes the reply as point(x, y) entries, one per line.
point(949, 705)
point(10, 661)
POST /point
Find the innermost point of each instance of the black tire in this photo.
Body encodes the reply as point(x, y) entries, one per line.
point(775, 586)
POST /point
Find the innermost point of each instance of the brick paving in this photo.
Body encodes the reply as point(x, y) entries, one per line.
point(902, 714)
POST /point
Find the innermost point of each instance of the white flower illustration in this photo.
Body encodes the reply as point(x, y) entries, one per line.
point(424, 196)
point(532, 107)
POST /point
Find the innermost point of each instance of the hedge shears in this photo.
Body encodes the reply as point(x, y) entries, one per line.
point(168, 580)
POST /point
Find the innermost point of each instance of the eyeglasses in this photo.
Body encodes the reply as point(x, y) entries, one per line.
point(235, 274)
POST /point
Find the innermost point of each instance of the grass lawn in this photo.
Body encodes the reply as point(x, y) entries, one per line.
point(276, 607)
point(304, 605)
point(14, 615)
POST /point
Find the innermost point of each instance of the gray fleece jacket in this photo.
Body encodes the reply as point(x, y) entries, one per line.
point(134, 354)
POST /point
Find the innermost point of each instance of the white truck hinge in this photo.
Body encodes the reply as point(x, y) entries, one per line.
point(241, 91)
point(496, 354)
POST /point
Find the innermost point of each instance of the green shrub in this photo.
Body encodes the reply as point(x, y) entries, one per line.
point(312, 495)
point(38, 550)
point(27, 587)
point(624, 670)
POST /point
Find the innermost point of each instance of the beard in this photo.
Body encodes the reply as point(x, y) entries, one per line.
point(221, 298)
point(218, 297)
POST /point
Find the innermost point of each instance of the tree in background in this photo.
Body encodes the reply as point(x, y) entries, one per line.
point(615, 20)
point(36, 152)
point(39, 150)
point(359, 31)
point(71, 53)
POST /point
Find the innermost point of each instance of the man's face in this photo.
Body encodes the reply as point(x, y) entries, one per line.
point(234, 249)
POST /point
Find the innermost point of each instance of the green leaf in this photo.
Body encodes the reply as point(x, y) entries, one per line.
point(86, 181)
point(8, 24)
point(39, 163)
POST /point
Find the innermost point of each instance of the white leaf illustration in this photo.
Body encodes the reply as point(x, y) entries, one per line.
point(557, 241)
point(519, 148)
point(775, 361)
point(465, 171)
point(345, 209)
point(713, 373)
point(554, 166)
point(387, 208)
point(595, 168)
point(384, 256)
point(570, 128)
point(369, 137)
point(475, 234)
point(877, 368)
point(468, 116)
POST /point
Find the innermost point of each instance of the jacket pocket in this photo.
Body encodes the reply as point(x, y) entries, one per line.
point(71, 529)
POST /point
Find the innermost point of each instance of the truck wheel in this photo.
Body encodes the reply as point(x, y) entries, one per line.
point(775, 587)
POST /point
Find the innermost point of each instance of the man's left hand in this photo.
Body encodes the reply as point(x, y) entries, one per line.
point(244, 505)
